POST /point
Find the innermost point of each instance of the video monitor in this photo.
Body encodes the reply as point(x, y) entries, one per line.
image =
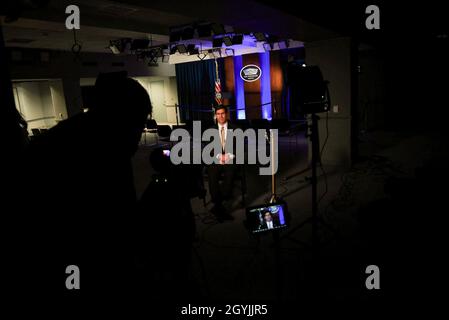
point(267, 217)
point(166, 152)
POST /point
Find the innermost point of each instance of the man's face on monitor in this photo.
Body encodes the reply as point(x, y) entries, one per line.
point(267, 216)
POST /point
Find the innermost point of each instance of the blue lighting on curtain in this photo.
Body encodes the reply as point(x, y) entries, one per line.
point(265, 85)
point(239, 88)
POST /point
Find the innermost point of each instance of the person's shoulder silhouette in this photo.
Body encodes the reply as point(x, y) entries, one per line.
point(81, 173)
point(91, 151)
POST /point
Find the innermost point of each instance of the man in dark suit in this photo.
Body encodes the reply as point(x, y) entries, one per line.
point(224, 168)
point(269, 222)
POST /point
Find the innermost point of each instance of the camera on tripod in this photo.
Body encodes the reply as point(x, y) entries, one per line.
point(187, 179)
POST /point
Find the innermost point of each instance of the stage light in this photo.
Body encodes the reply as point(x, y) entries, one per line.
point(260, 36)
point(114, 47)
point(181, 48)
point(152, 59)
point(218, 29)
point(229, 52)
point(214, 53)
point(267, 46)
point(120, 45)
point(227, 41)
point(157, 52)
point(173, 50)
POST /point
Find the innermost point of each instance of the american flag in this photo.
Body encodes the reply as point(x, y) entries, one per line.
point(218, 98)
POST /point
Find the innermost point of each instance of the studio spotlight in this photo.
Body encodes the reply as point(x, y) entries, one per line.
point(157, 52)
point(227, 41)
point(114, 47)
point(260, 36)
point(218, 29)
point(229, 52)
point(268, 46)
point(120, 46)
point(217, 53)
point(152, 59)
point(181, 48)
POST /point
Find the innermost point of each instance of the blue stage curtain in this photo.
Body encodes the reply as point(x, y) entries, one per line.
point(195, 81)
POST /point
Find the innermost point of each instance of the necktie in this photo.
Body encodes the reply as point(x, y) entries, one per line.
point(222, 138)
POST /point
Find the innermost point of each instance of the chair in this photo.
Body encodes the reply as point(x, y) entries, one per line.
point(150, 127)
point(180, 126)
point(35, 133)
point(163, 132)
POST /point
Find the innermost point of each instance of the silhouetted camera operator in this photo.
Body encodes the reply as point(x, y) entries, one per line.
point(167, 225)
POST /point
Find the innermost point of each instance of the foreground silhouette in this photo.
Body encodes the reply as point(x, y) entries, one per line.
point(80, 197)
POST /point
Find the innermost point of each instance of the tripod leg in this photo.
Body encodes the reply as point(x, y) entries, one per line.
point(278, 266)
point(328, 226)
point(296, 174)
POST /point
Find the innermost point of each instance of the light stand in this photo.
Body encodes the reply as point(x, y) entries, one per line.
point(276, 238)
point(274, 198)
point(314, 219)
